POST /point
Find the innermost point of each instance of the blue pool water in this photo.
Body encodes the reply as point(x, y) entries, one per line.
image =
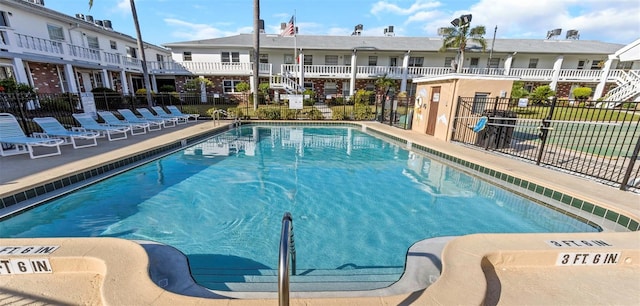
point(356, 201)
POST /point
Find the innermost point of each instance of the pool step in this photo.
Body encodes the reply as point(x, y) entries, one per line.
point(266, 280)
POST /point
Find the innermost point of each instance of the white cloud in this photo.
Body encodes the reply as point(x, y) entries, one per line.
point(194, 31)
point(385, 7)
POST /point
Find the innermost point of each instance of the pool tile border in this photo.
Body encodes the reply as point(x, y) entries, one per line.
point(590, 208)
point(70, 180)
point(613, 216)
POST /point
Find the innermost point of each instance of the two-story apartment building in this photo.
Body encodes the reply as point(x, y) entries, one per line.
point(56, 53)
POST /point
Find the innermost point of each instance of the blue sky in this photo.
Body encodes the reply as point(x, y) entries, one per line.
point(165, 21)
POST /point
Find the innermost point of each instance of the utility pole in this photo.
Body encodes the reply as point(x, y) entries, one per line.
point(493, 42)
point(256, 51)
point(145, 72)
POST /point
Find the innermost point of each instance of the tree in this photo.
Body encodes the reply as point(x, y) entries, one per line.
point(145, 72)
point(383, 83)
point(518, 91)
point(458, 37)
point(541, 94)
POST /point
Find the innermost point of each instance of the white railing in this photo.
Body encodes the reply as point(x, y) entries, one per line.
point(532, 73)
point(579, 74)
point(131, 62)
point(429, 71)
point(84, 53)
point(112, 58)
point(209, 67)
point(39, 44)
point(280, 81)
point(628, 87)
point(486, 71)
point(378, 71)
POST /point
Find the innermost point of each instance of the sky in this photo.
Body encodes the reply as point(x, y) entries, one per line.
point(167, 21)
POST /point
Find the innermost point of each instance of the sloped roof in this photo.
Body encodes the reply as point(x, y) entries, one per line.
point(397, 43)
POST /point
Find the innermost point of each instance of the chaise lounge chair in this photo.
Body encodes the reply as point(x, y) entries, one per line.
point(51, 127)
point(111, 119)
point(146, 114)
point(176, 112)
point(129, 116)
point(89, 124)
point(181, 119)
point(13, 140)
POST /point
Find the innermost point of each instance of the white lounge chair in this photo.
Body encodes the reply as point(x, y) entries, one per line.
point(129, 116)
point(13, 140)
point(51, 127)
point(147, 114)
point(135, 128)
point(181, 119)
point(175, 111)
point(89, 124)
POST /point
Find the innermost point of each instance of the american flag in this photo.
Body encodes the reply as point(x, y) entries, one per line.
point(289, 29)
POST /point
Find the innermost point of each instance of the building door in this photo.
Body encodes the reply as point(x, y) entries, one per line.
point(86, 82)
point(432, 118)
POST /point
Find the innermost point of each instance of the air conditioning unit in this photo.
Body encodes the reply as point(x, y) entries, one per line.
point(107, 24)
point(38, 2)
point(99, 23)
point(88, 18)
point(80, 16)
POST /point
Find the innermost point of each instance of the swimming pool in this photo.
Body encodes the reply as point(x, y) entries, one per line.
point(358, 203)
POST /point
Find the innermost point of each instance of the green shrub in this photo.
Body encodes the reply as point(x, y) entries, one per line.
point(107, 98)
point(338, 114)
point(541, 94)
point(582, 93)
point(235, 112)
point(363, 112)
point(315, 114)
point(188, 109)
point(289, 114)
point(268, 113)
point(167, 88)
point(56, 104)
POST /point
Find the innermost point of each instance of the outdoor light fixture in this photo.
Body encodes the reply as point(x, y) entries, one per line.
point(461, 21)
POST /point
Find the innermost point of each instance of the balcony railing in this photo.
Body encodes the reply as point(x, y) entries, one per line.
point(84, 53)
point(579, 74)
point(112, 58)
point(40, 45)
point(532, 74)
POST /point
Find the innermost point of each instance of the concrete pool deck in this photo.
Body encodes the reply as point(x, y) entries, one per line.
point(477, 269)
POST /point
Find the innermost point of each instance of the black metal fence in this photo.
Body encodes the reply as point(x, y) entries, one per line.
point(26, 106)
point(591, 138)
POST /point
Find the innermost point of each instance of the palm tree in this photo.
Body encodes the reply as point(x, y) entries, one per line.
point(457, 37)
point(145, 72)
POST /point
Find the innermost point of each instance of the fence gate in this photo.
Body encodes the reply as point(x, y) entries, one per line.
point(585, 137)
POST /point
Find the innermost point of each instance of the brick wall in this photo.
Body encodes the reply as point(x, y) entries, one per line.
point(45, 78)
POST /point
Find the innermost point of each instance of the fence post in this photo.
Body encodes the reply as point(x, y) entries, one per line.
point(493, 130)
point(632, 162)
point(545, 131)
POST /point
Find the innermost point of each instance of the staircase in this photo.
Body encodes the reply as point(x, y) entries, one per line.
point(285, 83)
point(306, 280)
point(628, 88)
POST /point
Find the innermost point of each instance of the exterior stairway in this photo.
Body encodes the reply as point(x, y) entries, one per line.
point(628, 88)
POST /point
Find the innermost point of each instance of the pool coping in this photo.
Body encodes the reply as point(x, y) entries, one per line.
point(625, 204)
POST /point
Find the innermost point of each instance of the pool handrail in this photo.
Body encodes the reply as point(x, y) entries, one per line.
point(287, 251)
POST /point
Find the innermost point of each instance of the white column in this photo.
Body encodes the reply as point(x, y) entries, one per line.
point(556, 72)
point(507, 64)
point(154, 83)
point(72, 81)
point(354, 71)
point(203, 89)
point(124, 82)
point(301, 64)
point(21, 73)
point(106, 79)
point(603, 78)
point(405, 72)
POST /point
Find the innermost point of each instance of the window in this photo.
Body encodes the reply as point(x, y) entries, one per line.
point(186, 56)
point(331, 60)
point(373, 61)
point(230, 85)
point(4, 38)
point(347, 60)
point(480, 103)
point(55, 32)
point(113, 44)
point(330, 88)
point(288, 59)
point(6, 72)
point(473, 62)
point(596, 64)
point(624, 65)
point(230, 57)
point(308, 85)
point(159, 57)
point(494, 62)
point(92, 42)
point(264, 58)
point(581, 64)
point(416, 61)
point(132, 52)
point(533, 63)
point(448, 61)
point(393, 61)
point(308, 59)
point(4, 20)
point(345, 88)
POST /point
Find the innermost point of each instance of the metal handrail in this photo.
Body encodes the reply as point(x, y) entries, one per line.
point(287, 251)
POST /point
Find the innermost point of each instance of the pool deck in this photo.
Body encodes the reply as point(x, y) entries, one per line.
point(507, 269)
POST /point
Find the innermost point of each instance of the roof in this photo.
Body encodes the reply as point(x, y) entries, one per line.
point(398, 43)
